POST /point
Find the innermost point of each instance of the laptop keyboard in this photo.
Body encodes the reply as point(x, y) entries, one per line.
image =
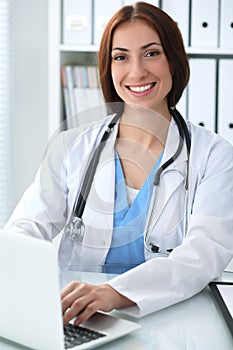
point(74, 336)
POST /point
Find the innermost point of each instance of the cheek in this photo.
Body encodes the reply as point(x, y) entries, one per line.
point(116, 79)
point(165, 72)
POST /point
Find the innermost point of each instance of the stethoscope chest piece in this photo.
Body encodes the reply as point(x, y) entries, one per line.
point(75, 229)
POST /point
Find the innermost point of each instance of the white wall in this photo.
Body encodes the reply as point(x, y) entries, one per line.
point(30, 84)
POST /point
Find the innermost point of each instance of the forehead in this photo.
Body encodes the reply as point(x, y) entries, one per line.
point(136, 33)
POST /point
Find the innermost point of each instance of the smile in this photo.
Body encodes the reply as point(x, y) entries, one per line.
point(141, 88)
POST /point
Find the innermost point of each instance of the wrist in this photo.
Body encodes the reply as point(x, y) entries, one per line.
point(119, 300)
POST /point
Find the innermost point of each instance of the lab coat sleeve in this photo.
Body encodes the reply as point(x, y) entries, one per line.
point(205, 251)
point(42, 209)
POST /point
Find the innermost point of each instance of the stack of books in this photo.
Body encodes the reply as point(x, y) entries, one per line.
point(81, 92)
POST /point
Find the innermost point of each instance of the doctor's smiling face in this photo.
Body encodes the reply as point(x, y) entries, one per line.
point(142, 59)
point(140, 70)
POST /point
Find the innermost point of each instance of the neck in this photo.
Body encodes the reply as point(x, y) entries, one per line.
point(144, 126)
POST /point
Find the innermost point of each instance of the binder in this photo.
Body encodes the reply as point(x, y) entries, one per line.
point(70, 84)
point(77, 22)
point(90, 107)
point(226, 24)
point(204, 23)
point(202, 92)
point(103, 11)
point(83, 98)
point(225, 114)
point(179, 11)
point(66, 96)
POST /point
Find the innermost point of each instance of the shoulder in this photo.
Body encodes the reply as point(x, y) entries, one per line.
point(85, 133)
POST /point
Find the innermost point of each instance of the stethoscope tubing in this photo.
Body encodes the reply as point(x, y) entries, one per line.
point(76, 221)
point(90, 173)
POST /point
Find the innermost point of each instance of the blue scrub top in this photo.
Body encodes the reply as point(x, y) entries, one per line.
point(127, 246)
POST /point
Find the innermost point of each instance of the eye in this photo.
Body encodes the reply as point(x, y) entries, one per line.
point(119, 58)
point(152, 53)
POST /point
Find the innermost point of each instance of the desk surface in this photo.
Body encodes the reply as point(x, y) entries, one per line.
point(194, 324)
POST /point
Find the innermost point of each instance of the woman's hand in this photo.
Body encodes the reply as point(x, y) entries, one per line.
point(83, 300)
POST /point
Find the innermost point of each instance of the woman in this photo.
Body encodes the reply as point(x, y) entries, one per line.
point(187, 240)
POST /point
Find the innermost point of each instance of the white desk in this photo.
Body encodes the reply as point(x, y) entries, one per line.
point(195, 324)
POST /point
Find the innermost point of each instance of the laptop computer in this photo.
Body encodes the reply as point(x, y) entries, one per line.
point(30, 301)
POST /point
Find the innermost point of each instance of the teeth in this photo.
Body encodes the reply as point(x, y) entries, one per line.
point(140, 88)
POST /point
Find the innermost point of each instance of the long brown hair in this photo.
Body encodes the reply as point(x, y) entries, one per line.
point(171, 41)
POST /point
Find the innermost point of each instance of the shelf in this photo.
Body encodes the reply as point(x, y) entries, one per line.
point(79, 48)
point(209, 51)
point(62, 54)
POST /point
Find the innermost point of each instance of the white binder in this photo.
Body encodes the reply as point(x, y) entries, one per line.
point(77, 22)
point(202, 92)
point(204, 23)
point(103, 11)
point(226, 24)
point(225, 114)
point(131, 2)
point(179, 11)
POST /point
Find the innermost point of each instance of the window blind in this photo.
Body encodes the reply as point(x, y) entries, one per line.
point(6, 94)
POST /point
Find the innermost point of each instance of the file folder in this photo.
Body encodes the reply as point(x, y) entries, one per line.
point(103, 11)
point(82, 93)
point(77, 22)
point(202, 92)
point(179, 11)
point(204, 23)
point(70, 84)
point(226, 24)
point(225, 114)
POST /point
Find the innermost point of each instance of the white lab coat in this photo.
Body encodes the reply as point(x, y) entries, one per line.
point(199, 255)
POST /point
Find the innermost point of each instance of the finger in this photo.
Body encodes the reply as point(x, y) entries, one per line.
point(69, 288)
point(76, 294)
point(86, 313)
point(76, 308)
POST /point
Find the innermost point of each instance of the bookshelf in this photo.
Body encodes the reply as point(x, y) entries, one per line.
point(60, 54)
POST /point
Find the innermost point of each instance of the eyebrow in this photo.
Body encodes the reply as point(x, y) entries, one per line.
point(143, 47)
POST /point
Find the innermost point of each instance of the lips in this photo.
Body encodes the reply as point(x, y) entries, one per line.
point(140, 88)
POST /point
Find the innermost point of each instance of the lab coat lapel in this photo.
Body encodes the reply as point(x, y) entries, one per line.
point(173, 177)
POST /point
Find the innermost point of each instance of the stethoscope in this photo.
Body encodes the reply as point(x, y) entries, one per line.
point(75, 229)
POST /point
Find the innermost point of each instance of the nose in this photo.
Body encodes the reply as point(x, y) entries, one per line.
point(137, 69)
